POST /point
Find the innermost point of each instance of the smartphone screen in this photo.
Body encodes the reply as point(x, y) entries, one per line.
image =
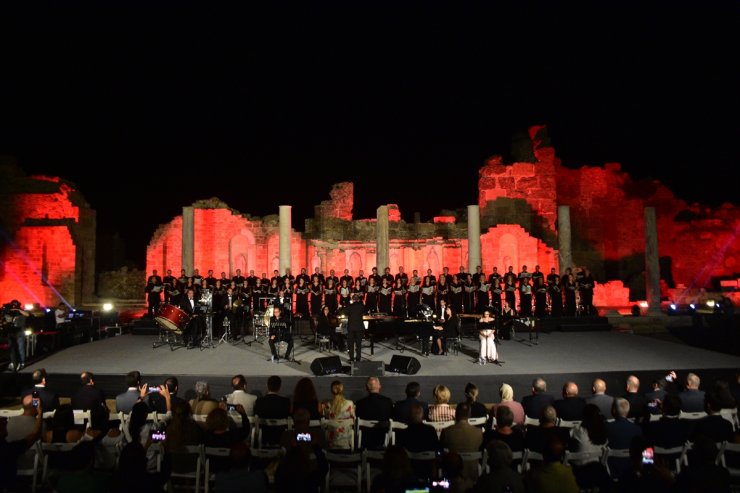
point(153, 389)
point(157, 435)
point(647, 455)
point(35, 398)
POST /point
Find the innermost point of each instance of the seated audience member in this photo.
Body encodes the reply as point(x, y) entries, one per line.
point(669, 431)
point(401, 409)
point(19, 427)
point(238, 477)
point(63, 429)
point(506, 392)
point(477, 409)
point(396, 472)
point(132, 473)
point(89, 394)
point(535, 436)
point(534, 404)
point(272, 406)
point(221, 432)
point(463, 437)
point(655, 396)
point(156, 400)
point(637, 401)
point(505, 430)
point(203, 403)
point(551, 474)
point(419, 437)
point(589, 438)
point(620, 434)
point(12, 450)
point(296, 471)
point(181, 431)
point(713, 426)
point(453, 466)
point(723, 395)
point(642, 477)
point(240, 395)
point(49, 399)
point(134, 392)
point(692, 399)
point(340, 419)
point(441, 409)
point(305, 397)
point(501, 476)
point(377, 407)
point(600, 398)
point(570, 407)
point(703, 473)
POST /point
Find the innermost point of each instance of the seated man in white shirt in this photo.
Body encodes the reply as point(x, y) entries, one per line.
point(240, 394)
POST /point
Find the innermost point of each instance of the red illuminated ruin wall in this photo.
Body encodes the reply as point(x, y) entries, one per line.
point(510, 245)
point(50, 255)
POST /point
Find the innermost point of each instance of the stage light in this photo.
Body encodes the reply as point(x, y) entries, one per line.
point(48, 310)
point(692, 306)
point(673, 306)
point(643, 304)
point(28, 307)
point(28, 332)
point(107, 307)
point(672, 309)
point(710, 303)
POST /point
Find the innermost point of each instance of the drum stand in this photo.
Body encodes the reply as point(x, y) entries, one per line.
point(259, 331)
point(227, 331)
point(163, 339)
point(207, 341)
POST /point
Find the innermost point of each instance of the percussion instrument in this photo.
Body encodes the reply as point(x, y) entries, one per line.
point(172, 318)
point(268, 315)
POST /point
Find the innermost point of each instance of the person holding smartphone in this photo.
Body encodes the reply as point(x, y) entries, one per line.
point(20, 426)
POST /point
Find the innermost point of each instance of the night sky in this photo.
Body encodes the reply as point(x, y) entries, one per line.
point(271, 103)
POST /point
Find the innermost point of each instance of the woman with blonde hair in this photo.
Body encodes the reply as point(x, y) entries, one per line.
point(441, 409)
point(339, 413)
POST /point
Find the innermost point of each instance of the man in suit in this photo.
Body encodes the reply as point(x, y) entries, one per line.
point(463, 437)
point(49, 399)
point(240, 394)
point(621, 431)
point(570, 407)
point(157, 402)
point(402, 409)
point(669, 431)
point(375, 407)
point(692, 399)
point(192, 332)
point(600, 398)
point(535, 403)
point(272, 406)
point(125, 400)
point(355, 326)
point(418, 437)
point(89, 395)
point(637, 401)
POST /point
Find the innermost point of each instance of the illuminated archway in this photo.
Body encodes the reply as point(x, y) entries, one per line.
point(355, 264)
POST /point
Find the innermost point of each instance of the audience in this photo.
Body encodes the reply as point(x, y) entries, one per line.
point(551, 475)
point(132, 473)
point(49, 399)
point(203, 403)
point(396, 474)
point(501, 476)
point(376, 407)
point(88, 395)
point(340, 413)
point(441, 409)
point(535, 403)
point(506, 392)
point(134, 392)
point(600, 398)
point(21, 426)
point(505, 430)
point(239, 477)
point(692, 399)
point(272, 406)
point(570, 407)
point(156, 400)
point(305, 397)
point(637, 401)
point(240, 395)
point(401, 409)
point(477, 409)
point(463, 437)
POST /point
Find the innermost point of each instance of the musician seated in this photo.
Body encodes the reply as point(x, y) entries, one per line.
point(444, 329)
point(326, 326)
point(279, 332)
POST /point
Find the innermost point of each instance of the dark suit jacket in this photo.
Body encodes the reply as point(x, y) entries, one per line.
point(535, 403)
point(603, 402)
point(668, 432)
point(49, 400)
point(87, 397)
point(402, 408)
point(418, 437)
point(717, 428)
point(638, 405)
point(692, 401)
point(620, 433)
point(570, 408)
point(125, 401)
point(158, 404)
point(374, 407)
point(355, 312)
point(272, 406)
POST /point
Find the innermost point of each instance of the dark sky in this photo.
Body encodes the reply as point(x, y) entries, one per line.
point(272, 102)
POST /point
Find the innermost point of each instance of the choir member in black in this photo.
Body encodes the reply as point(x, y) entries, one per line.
point(303, 275)
point(398, 303)
point(537, 274)
point(524, 274)
point(413, 296)
point(279, 332)
point(315, 296)
point(555, 293)
point(371, 295)
point(348, 277)
point(427, 292)
point(493, 279)
point(182, 282)
point(496, 290)
point(276, 277)
point(326, 325)
point(510, 275)
point(402, 276)
point(482, 295)
point(430, 276)
point(242, 302)
point(385, 297)
point(477, 275)
point(317, 274)
point(525, 297)
point(358, 291)
point(345, 291)
point(387, 275)
point(170, 283)
point(333, 277)
point(153, 289)
point(586, 290)
point(197, 280)
point(288, 280)
point(510, 290)
point(189, 285)
point(330, 294)
point(301, 298)
point(570, 296)
point(443, 290)
point(508, 315)
point(456, 294)
point(540, 297)
point(210, 280)
point(446, 274)
point(193, 331)
point(445, 329)
point(469, 289)
point(564, 277)
point(274, 287)
point(374, 274)
point(258, 293)
point(361, 280)
point(251, 280)
point(239, 281)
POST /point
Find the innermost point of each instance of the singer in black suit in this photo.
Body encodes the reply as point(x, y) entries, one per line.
point(355, 326)
point(192, 332)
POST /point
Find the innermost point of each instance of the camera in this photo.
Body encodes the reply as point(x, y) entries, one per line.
point(303, 437)
point(648, 455)
point(157, 435)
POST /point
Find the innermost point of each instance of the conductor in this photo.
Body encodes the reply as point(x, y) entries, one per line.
point(279, 332)
point(355, 326)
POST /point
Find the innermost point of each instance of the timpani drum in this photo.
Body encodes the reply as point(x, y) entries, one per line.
point(172, 318)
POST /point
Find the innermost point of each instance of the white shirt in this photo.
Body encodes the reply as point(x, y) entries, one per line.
point(245, 399)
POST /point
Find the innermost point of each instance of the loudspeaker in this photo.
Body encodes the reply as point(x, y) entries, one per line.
point(404, 364)
point(367, 369)
point(326, 366)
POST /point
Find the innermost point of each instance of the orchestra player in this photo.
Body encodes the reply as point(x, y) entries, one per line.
point(279, 332)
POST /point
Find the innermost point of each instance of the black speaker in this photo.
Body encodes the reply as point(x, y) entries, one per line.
point(404, 364)
point(326, 366)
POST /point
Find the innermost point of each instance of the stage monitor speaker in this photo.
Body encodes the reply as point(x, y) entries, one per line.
point(328, 365)
point(404, 364)
point(367, 368)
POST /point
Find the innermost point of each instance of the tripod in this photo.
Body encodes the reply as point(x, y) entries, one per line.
point(227, 331)
point(207, 341)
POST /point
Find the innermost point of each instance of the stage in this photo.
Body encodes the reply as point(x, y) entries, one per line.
point(558, 356)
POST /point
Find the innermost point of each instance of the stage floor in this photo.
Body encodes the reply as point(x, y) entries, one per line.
point(558, 356)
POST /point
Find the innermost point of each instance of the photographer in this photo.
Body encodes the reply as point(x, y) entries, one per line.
point(15, 320)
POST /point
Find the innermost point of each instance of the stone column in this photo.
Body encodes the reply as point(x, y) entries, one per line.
point(474, 259)
point(565, 253)
point(652, 264)
point(382, 249)
point(188, 239)
point(285, 232)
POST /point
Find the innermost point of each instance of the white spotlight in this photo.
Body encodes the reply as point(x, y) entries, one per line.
point(107, 307)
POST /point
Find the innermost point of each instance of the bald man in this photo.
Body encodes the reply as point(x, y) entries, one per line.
point(638, 402)
point(377, 407)
point(570, 407)
point(692, 399)
point(600, 398)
